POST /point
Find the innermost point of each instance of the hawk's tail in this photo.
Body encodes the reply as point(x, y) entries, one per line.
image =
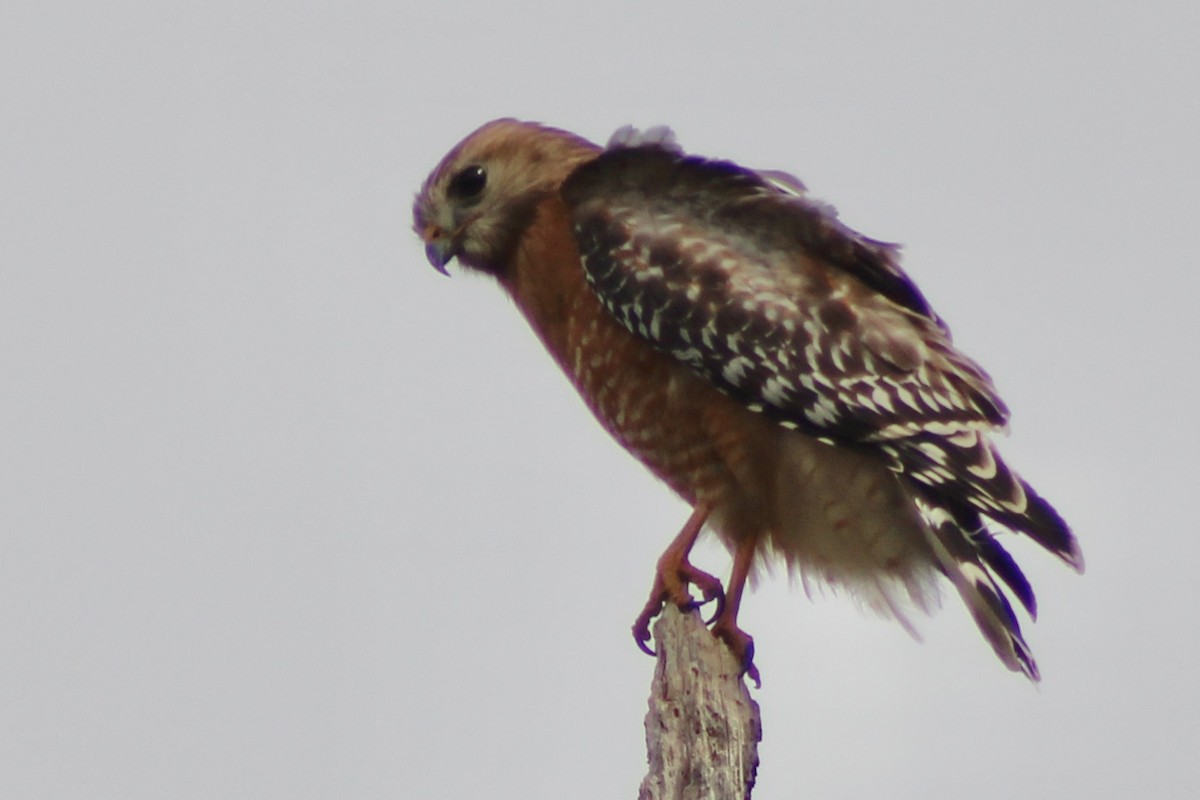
point(960, 559)
point(961, 480)
point(964, 473)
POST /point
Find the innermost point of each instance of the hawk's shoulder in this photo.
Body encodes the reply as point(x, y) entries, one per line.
point(649, 176)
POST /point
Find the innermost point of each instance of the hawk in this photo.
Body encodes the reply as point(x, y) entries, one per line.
point(778, 370)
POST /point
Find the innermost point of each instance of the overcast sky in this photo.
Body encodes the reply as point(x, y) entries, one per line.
point(286, 514)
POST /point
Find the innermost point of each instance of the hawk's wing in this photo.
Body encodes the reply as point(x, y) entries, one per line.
point(762, 291)
point(766, 294)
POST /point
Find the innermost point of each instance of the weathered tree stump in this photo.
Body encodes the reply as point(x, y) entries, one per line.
point(702, 729)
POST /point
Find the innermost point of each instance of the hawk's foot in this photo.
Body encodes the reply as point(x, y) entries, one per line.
point(741, 643)
point(671, 582)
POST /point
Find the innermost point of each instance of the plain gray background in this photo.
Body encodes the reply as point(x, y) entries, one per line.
point(286, 514)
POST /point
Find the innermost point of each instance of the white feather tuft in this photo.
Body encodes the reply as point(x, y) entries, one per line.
point(657, 136)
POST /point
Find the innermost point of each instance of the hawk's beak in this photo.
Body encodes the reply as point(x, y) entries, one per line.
point(439, 255)
point(439, 248)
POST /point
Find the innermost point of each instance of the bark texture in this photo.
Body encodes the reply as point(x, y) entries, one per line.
point(702, 729)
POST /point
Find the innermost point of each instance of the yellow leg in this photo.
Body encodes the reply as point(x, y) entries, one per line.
point(673, 575)
point(725, 625)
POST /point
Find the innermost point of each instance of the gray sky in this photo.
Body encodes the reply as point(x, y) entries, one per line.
point(286, 514)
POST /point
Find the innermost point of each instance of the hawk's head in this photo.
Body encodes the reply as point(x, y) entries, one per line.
point(478, 200)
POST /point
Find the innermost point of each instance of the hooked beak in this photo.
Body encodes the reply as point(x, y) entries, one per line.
point(439, 248)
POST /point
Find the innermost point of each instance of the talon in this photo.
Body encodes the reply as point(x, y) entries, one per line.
point(752, 674)
point(720, 598)
point(641, 627)
point(741, 644)
point(647, 649)
point(698, 605)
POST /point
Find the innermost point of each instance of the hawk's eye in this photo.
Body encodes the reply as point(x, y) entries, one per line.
point(468, 183)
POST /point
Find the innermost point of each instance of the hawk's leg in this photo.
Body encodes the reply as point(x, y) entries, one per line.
point(672, 576)
point(725, 625)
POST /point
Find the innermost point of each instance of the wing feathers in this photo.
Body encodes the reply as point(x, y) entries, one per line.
point(726, 195)
point(745, 273)
point(762, 291)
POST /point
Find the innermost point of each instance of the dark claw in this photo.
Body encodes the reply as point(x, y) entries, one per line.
point(641, 632)
point(720, 598)
point(741, 644)
point(748, 667)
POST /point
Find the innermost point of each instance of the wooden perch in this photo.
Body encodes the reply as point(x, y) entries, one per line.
point(702, 729)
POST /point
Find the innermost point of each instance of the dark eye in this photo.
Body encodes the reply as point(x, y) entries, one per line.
point(468, 183)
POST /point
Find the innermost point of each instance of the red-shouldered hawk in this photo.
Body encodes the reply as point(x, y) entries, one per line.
point(776, 369)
